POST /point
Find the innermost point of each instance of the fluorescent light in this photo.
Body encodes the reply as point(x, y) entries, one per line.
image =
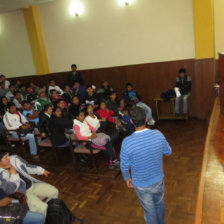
point(76, 8)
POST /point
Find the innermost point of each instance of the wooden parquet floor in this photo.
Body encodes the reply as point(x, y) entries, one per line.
point(101, 200)
point(213, 198)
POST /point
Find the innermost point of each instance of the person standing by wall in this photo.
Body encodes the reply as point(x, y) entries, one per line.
point(142, 154)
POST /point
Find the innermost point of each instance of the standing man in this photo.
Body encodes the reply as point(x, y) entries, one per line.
point(183, 83)
point(74, 76)
point(142, 154)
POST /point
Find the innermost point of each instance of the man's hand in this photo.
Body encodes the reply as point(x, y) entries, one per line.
point(46, 173)
point(43, 135)
point(129, 183)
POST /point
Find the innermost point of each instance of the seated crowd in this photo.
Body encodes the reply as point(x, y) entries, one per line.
point(92, 114)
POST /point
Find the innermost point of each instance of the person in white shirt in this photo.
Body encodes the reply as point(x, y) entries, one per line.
point(3, 79)
point(52, 85)
point(18, 100)
point(10, 94)
point(92, 118)
point(14, 120)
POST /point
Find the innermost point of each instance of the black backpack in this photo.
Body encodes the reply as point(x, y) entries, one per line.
point(58, 213)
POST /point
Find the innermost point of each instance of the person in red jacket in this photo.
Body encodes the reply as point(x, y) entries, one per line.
point(105, 113)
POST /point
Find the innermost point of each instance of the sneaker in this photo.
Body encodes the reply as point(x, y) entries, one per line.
point(152, 122)
point(116, 162)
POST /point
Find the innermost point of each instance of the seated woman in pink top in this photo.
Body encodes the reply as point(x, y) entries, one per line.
point(85, 131)
point(105, 113)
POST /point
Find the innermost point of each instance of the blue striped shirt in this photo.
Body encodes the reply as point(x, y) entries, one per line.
point(142, 154)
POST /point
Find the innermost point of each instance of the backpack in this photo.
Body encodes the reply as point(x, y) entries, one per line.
point(168, 94)
point(58, 213)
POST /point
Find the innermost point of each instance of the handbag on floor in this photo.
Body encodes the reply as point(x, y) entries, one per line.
point(58, 213)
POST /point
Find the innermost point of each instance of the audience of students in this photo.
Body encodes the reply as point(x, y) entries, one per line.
point(105, 114)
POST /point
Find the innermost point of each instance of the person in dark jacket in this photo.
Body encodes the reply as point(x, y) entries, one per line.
point(44, 121)
point(80, 91)
point(112, 103)
point(91, 97)
point(105, 91)
point(68, 94)
point(75, 107)
point(74, 76)
point(183, 82)
point(132, 98)
point(32, 96)
point(58, 126)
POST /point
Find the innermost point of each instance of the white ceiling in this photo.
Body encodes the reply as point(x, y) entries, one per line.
point(11, 5)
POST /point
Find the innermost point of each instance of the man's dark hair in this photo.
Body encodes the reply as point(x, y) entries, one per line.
point(88, 86)
point(10, 104)
point(3, 152)
point(182, 70)
point(52, 91)
point(51, 80)
point(16, 92)
point(73, 65)
point(138, 116)
point(24, 102)
point(129, 84)
point(11, 85)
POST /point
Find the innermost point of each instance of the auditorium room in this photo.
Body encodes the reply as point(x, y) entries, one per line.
point(112, 111)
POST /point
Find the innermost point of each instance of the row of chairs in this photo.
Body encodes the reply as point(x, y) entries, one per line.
point(76, 147)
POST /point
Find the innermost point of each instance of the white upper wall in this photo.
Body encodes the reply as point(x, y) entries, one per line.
point(15, 52)
point(108, 34)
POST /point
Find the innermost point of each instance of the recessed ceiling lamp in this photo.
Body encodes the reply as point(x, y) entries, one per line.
point(76, 8)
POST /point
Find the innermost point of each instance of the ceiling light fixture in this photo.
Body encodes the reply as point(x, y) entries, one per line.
point(76, 8)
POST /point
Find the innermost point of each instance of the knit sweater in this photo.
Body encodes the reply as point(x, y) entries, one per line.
point(142, 153)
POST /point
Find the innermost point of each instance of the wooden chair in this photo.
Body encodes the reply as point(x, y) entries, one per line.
point(46, 144)
point(9, 139)
point(83, 147)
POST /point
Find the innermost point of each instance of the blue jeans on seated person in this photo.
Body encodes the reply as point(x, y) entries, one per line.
point(34, 218)
point(31, 139)
point(152, 201)
point(1, 128)
point(177, 102)
point(66, 144)
point(147, 110)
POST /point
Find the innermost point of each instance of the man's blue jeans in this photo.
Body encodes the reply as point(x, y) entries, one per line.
point(147, 110)
point(31, 139)
point(34, 218)
point(177, 102)
point(152, 201)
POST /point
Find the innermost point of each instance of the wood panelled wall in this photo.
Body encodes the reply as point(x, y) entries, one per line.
point(151, 80)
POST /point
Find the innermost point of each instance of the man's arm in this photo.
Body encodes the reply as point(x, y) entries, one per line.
point(31, 169)
point(5, 201)
point(166, 147)
point(125, 164)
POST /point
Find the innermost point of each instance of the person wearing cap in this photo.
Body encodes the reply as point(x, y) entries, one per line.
point(42, 101)
point(15, 176)
point(14, 120)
